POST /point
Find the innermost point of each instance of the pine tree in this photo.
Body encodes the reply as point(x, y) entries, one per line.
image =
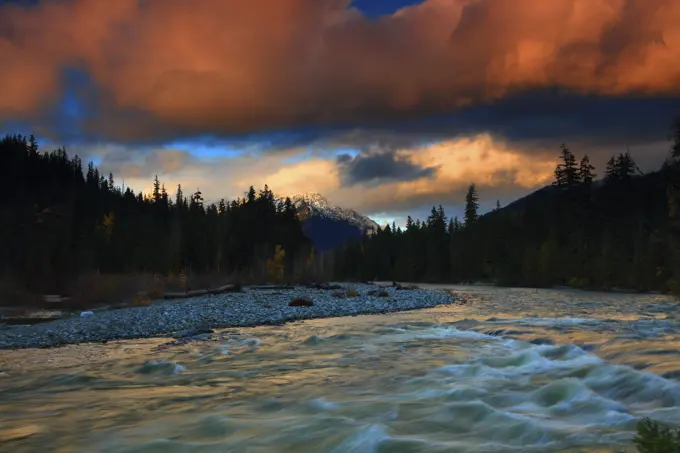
point(196, 200)
point(32, 146)
point(620, 169)
point(566, 172)
point(625, 167)
point(164, 196)
point(585, 171)
point(610, 171)
point(90, 177)
point(179, 197)
point(471, 205)
point(156, 190)
point(112, 185)
point(251, 195)
point(441, 219)
point(289, 208)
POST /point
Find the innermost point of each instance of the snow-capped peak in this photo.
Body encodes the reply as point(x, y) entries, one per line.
point(310, 198)
point(314, 204)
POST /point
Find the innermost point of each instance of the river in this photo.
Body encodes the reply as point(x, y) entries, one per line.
point(513, 370)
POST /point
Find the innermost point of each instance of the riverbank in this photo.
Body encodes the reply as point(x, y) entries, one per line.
point(190, 317)
point(481, 284)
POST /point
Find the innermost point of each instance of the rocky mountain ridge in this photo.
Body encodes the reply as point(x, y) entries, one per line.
point(315, 204)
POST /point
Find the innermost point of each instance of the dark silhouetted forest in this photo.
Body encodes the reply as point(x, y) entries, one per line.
point(617, 231)
point(60, 220)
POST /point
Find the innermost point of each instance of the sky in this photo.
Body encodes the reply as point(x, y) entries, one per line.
point(386, 107)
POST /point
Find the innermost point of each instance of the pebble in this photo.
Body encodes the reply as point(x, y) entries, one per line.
point(197, 315)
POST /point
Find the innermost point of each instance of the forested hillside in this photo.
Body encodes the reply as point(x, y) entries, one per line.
point(59, 220)
point(617, 232)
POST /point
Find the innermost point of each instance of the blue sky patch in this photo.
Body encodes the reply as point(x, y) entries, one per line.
point(377, 8)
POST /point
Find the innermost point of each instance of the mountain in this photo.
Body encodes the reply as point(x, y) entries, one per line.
point(326, 225)
point(541, 197)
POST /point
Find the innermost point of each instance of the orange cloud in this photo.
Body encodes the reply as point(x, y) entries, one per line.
point(317, 175)
point(497, 169)
point(486, 162)
point(235, 66)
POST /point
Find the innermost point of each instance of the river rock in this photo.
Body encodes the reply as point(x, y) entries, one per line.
point(300, 302)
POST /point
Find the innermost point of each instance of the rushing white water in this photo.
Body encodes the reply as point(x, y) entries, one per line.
point(515, 370)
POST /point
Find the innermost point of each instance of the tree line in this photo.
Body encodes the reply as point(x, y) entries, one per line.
point(619, 231)
point(59, 220)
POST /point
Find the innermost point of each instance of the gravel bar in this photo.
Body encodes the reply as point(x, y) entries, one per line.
point(245, 309)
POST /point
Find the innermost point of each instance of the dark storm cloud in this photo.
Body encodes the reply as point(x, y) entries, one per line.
point(537, 121)
point(163, 68)
point(380, 167)
point(540, 118)
point(549, 115)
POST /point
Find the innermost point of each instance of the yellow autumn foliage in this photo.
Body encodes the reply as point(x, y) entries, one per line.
point(107, 224)
point(275, 265)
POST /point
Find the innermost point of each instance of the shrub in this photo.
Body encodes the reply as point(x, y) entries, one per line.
point(351, 292)
point(674, 287)
point(141, 299)
point(654, 438)
point(93, 289)
point(578, 282)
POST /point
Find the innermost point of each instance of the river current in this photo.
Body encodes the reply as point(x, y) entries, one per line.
point(513, 370)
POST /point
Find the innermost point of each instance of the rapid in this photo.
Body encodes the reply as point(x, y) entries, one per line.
point(512, 370)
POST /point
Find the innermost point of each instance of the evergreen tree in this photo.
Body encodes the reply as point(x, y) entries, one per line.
point(585, 171)
point(620, 169)
point(251, 195)
point(471, 205)
point(179, 197)
point(156, 190)
point(164, 196)
point(566, 172)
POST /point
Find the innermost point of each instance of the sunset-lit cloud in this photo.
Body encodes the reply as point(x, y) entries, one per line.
point(386, 113)
point(202, 66)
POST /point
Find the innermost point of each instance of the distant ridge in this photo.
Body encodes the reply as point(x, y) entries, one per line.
point(329, 226)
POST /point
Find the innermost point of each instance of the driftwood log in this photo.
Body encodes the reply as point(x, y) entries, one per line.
point(28, 320)
point(272, 287)
point(55, 299)
point(200, 292)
